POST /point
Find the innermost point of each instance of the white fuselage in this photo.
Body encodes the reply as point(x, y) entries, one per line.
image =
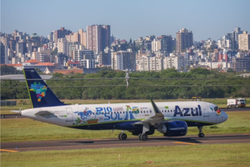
point(193, 113)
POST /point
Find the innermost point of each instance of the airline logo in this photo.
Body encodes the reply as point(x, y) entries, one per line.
point(39, 89)
point(111, 114)
point(188, 111)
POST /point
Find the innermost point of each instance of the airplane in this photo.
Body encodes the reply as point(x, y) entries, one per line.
point(140, 119)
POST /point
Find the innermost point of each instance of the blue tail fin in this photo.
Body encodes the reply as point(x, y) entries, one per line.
point(39, 93)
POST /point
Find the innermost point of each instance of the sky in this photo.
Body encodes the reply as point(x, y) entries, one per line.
point(127, 18)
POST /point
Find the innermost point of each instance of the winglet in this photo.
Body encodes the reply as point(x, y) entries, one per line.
point(156, 109)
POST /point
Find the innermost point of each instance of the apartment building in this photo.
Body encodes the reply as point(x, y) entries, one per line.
point(123, 60)
point(244, 41)
point(184, 40)
point(98, 37)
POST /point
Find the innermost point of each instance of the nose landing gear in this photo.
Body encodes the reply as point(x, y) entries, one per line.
point(200, 131)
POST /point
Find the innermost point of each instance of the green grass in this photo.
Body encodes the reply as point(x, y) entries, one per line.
point(29, 130)
point(7, 109)
point(228, 155)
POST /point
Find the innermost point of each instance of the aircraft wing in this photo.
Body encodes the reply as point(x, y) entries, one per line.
point(156, 119)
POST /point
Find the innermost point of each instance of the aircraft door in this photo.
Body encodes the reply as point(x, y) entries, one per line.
point(205, 112)
point(69, 117)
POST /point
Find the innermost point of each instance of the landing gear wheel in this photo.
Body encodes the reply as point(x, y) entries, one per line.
point(201, 135)
point(143, 137)
point(119, 136)
point(139, 137)
point(123, 136)
point(200, 131)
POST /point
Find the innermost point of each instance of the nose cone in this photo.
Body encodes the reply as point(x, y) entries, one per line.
point(224, 116)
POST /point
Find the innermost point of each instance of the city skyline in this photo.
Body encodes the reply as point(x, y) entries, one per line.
point(210, 19)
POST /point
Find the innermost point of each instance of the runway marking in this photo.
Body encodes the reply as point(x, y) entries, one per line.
point(12, 151)
point(185, 143)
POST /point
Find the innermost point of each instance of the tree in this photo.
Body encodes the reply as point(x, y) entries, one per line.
point(230, 70)
point(7, 70)
point(54, 52)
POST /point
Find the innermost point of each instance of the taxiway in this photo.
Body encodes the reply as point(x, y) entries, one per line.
point(130, 142)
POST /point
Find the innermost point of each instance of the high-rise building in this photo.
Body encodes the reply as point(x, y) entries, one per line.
point(167, 45)
point(105, 58)
point(3, 55)
point(21, 47)
point(98, 37)
point(184, 40)
point(83, 54)
point(244, 41)
point(235, 38)
point(123, 60)
point(83, 38)
point(63, 46)
point(156, 45)
point(60, 34)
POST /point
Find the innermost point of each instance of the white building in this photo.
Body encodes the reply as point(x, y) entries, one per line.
point(176, 62)
point(63, 46)
point(156, 45)
point(87, 63)
point(216, 65)
point(144, 63)
point(123, 60)
point(156, 63)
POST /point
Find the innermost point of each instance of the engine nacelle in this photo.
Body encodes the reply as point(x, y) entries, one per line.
point(174, 128)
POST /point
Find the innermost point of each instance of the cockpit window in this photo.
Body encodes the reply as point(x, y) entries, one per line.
point(215, 108)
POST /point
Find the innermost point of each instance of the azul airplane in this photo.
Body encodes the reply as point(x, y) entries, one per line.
point(142, 119)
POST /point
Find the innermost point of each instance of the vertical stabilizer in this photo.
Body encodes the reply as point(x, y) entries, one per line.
point(40, 94)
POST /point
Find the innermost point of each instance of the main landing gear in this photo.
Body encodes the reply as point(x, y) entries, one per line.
point(200, 131)
point(143, 137)
point(122, 136)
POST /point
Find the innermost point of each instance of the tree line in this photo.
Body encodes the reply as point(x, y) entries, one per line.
point(166, 84)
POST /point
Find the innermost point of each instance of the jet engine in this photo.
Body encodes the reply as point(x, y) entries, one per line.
point(173, 128)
